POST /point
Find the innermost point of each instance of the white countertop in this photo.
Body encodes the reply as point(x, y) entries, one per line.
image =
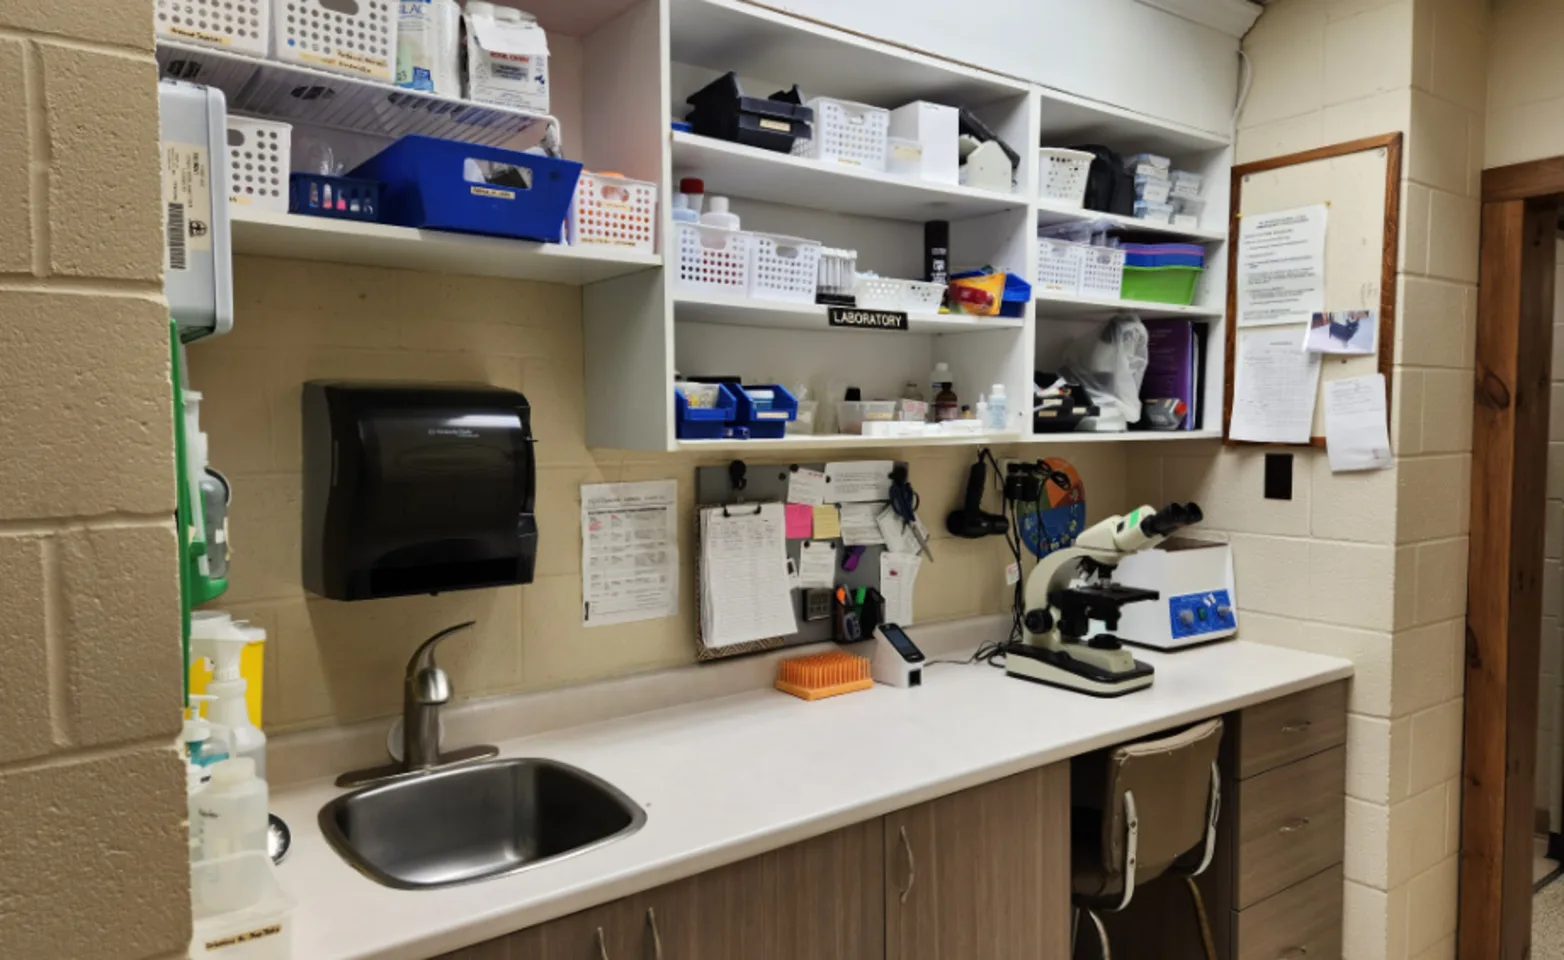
point(726, 779)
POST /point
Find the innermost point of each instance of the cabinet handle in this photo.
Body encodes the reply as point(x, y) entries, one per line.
point(602, 945)
point(1293, 953)
point(912, 865)
point(1294, 825)
point(1297, 726)
point(657, 939)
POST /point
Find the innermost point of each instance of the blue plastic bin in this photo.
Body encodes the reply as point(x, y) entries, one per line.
point(765, 423)
point(704, 423)
point(425, 185)
point(343, 198)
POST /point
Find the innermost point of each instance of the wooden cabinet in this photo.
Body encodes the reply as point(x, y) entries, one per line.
point(984, 873)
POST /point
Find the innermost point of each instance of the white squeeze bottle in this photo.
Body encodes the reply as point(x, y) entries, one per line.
point(232, 809)
point(998, 414)
point(718, 215)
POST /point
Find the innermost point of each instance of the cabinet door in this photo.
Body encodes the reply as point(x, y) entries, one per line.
point(609, 932)
point(821, 899)
point(983, 874)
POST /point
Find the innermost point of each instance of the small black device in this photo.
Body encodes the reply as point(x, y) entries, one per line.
point(936, 251)
point(416, 488)
point(971, 522)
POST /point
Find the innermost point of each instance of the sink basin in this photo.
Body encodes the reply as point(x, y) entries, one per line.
point(474, 822)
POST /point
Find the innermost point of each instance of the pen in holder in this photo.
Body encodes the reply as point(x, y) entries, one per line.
point(856, 612)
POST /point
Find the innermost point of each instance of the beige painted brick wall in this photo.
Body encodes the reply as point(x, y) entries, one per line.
point(1373, 566)
point(332, 662)
point(93, 860)
point(1525, 82)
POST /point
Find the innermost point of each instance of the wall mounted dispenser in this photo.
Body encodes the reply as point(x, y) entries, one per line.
point(416, 488)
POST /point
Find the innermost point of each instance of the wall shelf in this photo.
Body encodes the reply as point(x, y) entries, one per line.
point(1051, 305)
point(849, 440)
point(267, 234)
point(1137, 436)
point(742, 311)
point(1050, 214)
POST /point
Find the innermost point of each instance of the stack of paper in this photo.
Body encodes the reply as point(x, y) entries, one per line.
point(745, 593)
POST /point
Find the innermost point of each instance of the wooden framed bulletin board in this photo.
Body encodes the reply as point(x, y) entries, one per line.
point(1360, 182)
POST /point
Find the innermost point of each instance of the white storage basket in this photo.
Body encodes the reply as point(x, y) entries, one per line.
point(1059, 265)
point(784, 268)
point(853, 134)
point(258, 163)
point(317, 34)
point(1102, 273)
point(615, 212)
point(1062, 175)
point(714, 260)
point(243, 26)
point(889, 293)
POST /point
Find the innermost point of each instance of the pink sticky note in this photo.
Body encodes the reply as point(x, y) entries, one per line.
point(800, 521)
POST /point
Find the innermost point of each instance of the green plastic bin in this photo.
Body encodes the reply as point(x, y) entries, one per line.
point(1161, 284)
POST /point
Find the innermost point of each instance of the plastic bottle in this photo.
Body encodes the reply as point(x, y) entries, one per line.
point(695, 189)
point(681, 210)
point(232, 809)
point(911, 391)
point(220, 638)
point(719, 216)
point(942, 386)
point(998, 419)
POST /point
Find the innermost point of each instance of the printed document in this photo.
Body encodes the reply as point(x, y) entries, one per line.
point(1357, 431)
point(1281, 266)
point(898, 576)
point(858, 481)
point(745, 593)
point(1274, 387)
point(629, 551)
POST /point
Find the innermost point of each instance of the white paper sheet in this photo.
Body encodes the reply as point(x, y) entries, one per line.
point(1357, 431)
point(629, 551)
point(1281, 266)
point(858, 481)
point(806, 486)
point(899, 537)
point(859, 524)
point(898, 577)
point(745, 594)
point(817, 563)
point(1274, 387)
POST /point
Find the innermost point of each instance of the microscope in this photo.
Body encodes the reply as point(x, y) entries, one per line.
point(1072, 588)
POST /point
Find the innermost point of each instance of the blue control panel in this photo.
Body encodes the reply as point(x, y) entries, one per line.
point(1197, 614)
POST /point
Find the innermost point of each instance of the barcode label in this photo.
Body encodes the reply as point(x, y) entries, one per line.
point(176, 237)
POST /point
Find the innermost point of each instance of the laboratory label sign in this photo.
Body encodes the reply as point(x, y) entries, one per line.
point(867, 319)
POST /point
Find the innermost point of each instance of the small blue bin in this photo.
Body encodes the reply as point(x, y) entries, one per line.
point(426, 186)
point(704, 423)
point(343, 198)
point(762, 422)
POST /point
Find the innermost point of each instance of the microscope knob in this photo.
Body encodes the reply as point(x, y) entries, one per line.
point(1105, 641)
point(1224, 611)
point(1039, 621)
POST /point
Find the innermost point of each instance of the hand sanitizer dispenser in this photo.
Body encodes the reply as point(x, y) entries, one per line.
point(416, 488)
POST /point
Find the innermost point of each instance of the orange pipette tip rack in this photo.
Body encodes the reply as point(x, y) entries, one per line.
point(824, 675)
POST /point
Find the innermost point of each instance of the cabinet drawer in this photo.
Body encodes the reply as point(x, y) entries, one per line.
point(1301, 922)
point(1291, 825)
point(1279, 732)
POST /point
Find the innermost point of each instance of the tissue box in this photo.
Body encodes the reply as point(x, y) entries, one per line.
point(507, 59)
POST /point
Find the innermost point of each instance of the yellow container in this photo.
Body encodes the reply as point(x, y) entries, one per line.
point(252, 667)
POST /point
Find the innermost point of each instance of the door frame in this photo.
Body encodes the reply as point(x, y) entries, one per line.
point(1520, 206)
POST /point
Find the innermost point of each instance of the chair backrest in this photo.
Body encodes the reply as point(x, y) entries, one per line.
point(1171, 780)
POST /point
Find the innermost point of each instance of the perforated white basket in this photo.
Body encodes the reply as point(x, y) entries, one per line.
point(1059, 265)
point(614, 211)
point(1062, 175)
point(1102, 273)
point(243, 26)
point(258, 162)
point(890, 293)
point(713, 260)
point(784, 268)
point(317, 33)
point(854, 134)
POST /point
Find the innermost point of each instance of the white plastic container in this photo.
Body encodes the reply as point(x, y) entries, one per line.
point(258, 163)
point(239, 909)
point(221, 639)
point(1102, 272)
point(890, 293)
point(614, 212)
point(718, 214)
point(783, 268)
point(851, 415)
point(198, 252)
point(233, 810)
point(1058, 265)
point(937, 128)
point(998, 409)
point(507, 57)
point(1062, 176)
point(428, 47)
point(905, 158)
point(847, 133)
point(241, 26)
point(318, 33)
point(713, 260)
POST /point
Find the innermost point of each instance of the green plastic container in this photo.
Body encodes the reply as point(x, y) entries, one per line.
point(1161, 284)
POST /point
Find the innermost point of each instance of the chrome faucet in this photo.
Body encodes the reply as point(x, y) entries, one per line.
point(424, 690)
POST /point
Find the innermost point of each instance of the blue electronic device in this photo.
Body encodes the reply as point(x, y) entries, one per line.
point(1201, 615)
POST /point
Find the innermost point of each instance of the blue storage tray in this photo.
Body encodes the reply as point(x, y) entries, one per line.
point(425, 185)
point(766, 424)
point(343, 198)
point(704, 423)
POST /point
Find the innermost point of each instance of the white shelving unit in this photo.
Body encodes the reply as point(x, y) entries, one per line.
point(745, 312)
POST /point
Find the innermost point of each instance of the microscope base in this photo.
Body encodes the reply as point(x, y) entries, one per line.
point(1061, 670)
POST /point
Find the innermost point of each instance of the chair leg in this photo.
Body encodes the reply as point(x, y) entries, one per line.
point(1102, 934)
point(1201, 918)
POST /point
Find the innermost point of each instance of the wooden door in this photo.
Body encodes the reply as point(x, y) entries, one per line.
point(983, 874)
point(610, 932)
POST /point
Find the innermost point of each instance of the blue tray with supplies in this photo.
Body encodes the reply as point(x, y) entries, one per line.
point(344, 198)
point(765, 419)
point(709, 420)
point(468, 188)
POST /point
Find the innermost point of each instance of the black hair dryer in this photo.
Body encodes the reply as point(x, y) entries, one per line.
point(970, 522)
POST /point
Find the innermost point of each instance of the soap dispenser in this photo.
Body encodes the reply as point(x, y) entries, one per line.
point(221, 639)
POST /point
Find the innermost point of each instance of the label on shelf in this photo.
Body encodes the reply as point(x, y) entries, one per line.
point(867, 319)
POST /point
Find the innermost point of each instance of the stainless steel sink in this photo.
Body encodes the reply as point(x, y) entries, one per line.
point(467, 823)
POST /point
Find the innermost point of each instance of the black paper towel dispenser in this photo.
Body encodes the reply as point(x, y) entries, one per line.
point(416, 488)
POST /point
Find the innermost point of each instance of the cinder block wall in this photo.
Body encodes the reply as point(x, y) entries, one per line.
point(92, 799)
point(1372, 566)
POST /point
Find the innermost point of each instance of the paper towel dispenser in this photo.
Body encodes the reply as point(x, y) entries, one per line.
point(416, 488)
